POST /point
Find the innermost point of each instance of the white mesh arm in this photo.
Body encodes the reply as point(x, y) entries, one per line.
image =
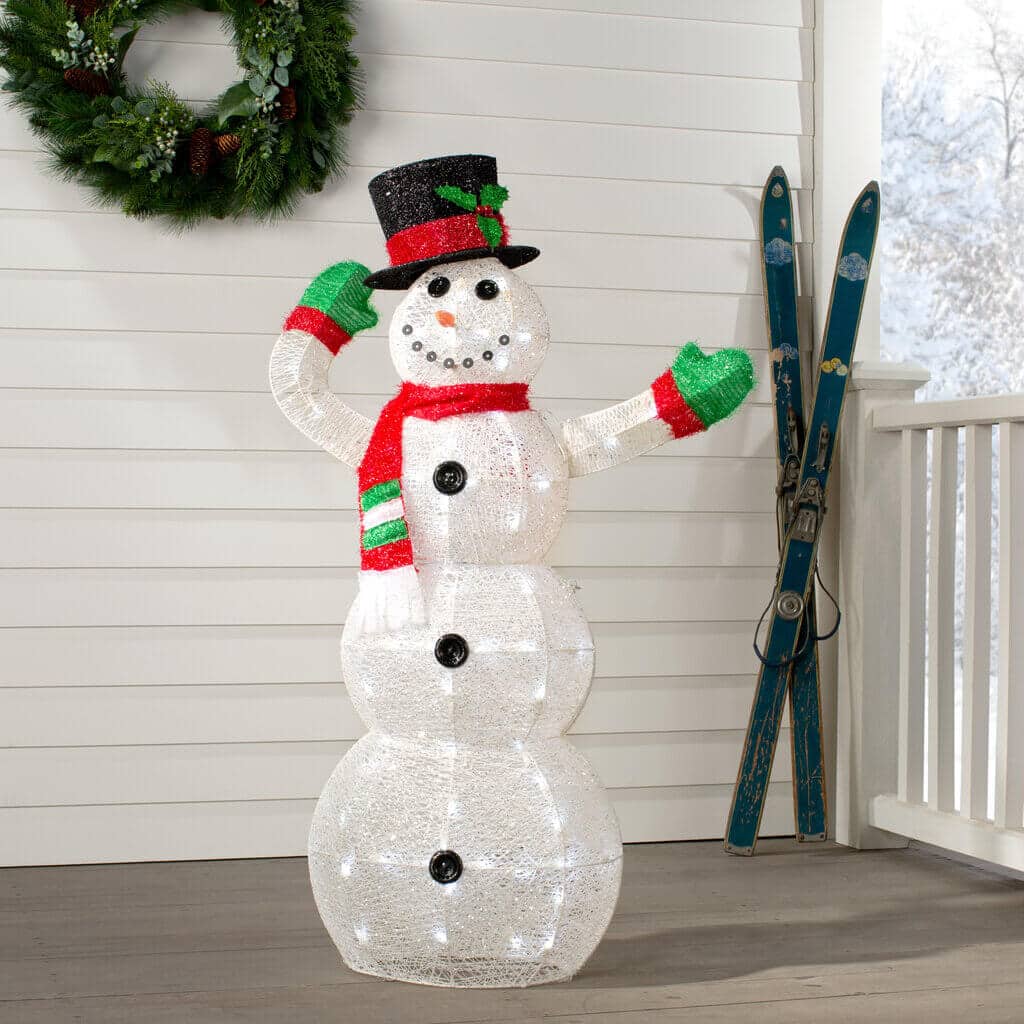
point(602, 439)
point(300, 366)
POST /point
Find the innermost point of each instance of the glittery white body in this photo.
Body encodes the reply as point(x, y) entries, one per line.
point(471, 759)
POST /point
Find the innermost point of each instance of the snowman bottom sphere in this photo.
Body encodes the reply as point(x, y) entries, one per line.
point(465, 866)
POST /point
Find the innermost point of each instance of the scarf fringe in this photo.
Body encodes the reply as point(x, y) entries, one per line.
point(389, 600)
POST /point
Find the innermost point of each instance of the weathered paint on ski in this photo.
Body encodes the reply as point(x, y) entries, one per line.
point(810, 802)
point(796, 570)
point(778, 276)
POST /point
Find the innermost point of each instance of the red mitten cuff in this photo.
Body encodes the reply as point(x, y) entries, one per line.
point(320, 325)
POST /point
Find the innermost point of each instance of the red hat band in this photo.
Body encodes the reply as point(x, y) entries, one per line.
point(440, 238)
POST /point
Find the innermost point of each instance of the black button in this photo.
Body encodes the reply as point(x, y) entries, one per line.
point(438, 286)
point(486, 289)
point(450, 477)
point(446, 867)
point(451, 650)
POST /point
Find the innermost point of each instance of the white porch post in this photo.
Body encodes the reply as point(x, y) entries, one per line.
point(847, 140)
point(867, 706)
point(847, 154)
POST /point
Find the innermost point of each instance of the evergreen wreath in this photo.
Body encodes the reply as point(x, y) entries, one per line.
point(253, 151)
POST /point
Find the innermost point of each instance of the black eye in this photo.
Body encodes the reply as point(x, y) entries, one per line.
point(439, 286)
point(486, 289)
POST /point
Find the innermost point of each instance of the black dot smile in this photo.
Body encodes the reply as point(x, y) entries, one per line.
point(487, 355)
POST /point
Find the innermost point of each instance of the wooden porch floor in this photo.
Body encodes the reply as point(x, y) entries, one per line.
point(797, 934)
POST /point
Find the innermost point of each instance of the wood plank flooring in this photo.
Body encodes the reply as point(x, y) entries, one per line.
point(795, 934)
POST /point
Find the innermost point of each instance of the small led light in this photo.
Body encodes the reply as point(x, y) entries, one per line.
point(362, 933)
point(516, 942)
point(441, 935)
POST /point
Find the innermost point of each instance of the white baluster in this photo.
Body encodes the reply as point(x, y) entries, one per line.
point(913, 536)
point(977, 620)
point(1010, 701)
point(941, 583)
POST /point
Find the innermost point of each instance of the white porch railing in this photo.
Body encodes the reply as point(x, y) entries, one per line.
point(898, 766)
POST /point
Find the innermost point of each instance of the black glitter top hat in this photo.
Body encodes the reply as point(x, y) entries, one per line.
point(442, 210)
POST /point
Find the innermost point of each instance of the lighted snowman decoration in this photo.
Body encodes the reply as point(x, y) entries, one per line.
point(463, 841)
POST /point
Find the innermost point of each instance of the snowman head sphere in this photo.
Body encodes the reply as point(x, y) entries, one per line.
point(472, 321)
point(466, 317)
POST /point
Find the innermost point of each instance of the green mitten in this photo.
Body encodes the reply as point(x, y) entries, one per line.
point(339, 292)
point(713, 385)
point(335, 306)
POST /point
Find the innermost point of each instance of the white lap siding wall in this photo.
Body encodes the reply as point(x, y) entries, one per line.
point(177, 560)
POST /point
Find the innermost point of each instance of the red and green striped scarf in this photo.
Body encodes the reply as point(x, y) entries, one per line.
point(384, 529)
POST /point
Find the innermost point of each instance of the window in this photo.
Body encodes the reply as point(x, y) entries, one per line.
point(952, 241)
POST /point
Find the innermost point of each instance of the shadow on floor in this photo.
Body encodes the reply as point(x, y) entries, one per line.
point(924, 920)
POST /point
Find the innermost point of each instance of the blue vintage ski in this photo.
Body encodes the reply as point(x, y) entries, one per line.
point(788, 635)
point(778, 272)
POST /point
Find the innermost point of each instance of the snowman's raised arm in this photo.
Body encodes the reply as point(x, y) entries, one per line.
point(695, 392)
point(333, 308)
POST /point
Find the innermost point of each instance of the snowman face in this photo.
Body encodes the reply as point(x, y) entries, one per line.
point(470, 322)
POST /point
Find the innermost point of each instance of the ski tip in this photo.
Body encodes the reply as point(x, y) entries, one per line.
point(777, 172)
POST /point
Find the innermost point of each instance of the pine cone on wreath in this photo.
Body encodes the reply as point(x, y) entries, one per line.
point(84, 9)
point(200, 147)
point(226, 144)
point(289, 108)
point(89, 82)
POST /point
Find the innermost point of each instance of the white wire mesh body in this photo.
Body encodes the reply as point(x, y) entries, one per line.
point(472, 759)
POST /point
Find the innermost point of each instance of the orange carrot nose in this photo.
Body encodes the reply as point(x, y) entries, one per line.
point(444, 318)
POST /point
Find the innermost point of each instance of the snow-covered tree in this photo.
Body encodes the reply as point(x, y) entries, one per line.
point(952, 240)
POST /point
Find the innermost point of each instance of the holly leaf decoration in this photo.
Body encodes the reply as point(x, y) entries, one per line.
point(493, 196)
point(490, 228)
point(456, 195)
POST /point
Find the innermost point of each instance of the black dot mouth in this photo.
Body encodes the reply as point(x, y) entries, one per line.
point(449, 362)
